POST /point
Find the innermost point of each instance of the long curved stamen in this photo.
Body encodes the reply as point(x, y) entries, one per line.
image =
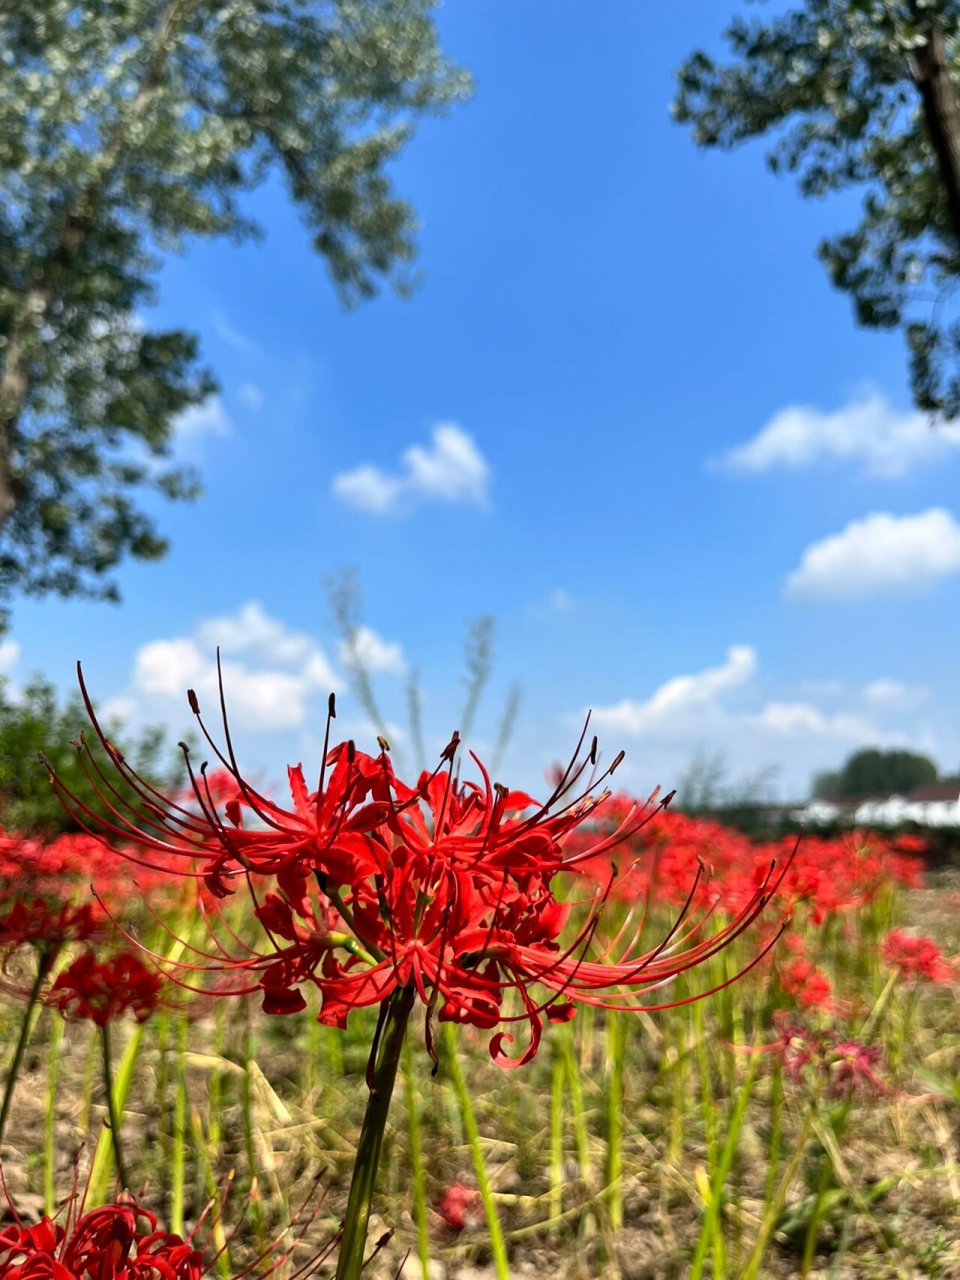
point(331, 716)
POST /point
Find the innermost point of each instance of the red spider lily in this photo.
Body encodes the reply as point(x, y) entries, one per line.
point(57, 873)
point(122, 1241)
point(460, 1207)
point(102, 990)
point(44, 925)
point(807, 984)
point(826, 878)
point(917, 957)
point(115, 1242)
point(444, 889)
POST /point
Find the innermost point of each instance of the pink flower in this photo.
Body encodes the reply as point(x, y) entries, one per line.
point(844, 1065)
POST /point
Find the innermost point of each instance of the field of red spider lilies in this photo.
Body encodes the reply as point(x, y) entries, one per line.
point(447, 1029)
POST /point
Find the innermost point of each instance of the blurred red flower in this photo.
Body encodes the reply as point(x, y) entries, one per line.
point(460, 1206)
point(917, 957)
point(844, 1066)
point(102, 990)
point(44, 925)
point(807, 984)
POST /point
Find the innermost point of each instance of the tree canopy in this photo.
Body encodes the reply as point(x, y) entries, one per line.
point(34, 722)
point(126, 127)
point(860, 93)
point(872, 771)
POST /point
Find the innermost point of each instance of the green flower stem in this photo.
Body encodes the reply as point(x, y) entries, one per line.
point(575, 1085)
point(50, 1120)
point(249, 1124)
point(774, 1204)
point(100, 1169)
point(44, 965)
point(178, 1158)
point(416, 1160)
point(113, 1110)
point(826, 1182)
point(710, 1233)
point(353, 1239)
point(452, 1065)
point(558, 1074)
point(616, 1068)
point(206, 1151)
point(775, 1147)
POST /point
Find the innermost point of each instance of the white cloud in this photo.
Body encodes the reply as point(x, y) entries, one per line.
point(881, 552)
point(717, 714)
point(561, 601)
point(252, 630)
point(207, 419)
point(121, 708)
point(451, 470)
point(169, 667)
point(232, 336)
point(868, 431)
point(893, 694)
point(270, 673)
point(672, 704)
point(802, 719)
point(250, 396)
point(368, 490)
point(556, 603)
point(372, 653)
point(9, 656)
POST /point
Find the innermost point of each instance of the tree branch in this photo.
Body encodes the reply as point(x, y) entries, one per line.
point(15, 380)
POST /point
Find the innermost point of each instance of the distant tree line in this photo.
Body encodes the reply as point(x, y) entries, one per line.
point(872, 771)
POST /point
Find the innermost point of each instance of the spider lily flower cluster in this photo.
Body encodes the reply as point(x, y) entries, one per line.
point(103, 989)
point(123, 1240)
point(366, 886)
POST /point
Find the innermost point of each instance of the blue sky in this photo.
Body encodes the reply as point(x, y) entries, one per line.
point(624, 413)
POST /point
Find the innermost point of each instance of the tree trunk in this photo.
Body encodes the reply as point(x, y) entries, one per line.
point(941, 113)
point(16, 377)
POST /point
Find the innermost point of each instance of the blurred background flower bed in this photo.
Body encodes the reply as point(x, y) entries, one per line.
point(802, 1121)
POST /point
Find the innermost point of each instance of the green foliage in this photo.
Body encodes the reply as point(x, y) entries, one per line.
point(127, 126)
point(859, 93)
point(875, 772)
point(35, 723)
